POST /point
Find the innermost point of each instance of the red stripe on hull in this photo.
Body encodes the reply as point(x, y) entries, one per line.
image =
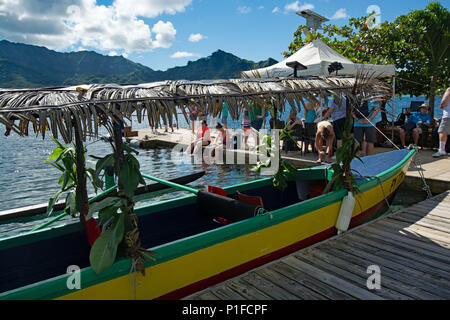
point(205, 283)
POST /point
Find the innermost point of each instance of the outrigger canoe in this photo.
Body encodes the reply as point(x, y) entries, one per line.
point(192, 248)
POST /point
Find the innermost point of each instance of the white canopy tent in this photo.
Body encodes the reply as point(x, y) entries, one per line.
point(317, 57)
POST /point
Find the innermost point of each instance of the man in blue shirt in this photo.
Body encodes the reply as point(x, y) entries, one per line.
point(415, 123)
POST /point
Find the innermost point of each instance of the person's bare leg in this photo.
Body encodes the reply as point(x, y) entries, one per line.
point(443, 137)
point(363, 148)
point(402, 136)
point(318, 145)
point(416, 136)
point(369, 148)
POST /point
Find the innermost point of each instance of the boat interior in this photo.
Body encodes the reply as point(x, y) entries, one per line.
point(159, 223)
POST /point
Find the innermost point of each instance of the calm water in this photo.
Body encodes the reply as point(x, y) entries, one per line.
point(26, 179)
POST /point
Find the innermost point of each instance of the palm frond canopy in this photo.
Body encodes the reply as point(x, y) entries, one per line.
point(89, 106)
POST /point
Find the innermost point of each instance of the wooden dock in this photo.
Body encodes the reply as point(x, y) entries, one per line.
point(411, 248)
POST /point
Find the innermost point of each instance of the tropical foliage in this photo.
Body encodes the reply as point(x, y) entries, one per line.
point(64, 159)
point(116, 214)
point(416, 43)
point(269, 151)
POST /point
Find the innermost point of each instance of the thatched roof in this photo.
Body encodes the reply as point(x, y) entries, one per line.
point(59, 109)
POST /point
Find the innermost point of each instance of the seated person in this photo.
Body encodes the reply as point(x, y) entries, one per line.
point(415, 123)
point(293, 123)
point(325, 132)
point(203, 139)
point(221, 140)
point(247, 127)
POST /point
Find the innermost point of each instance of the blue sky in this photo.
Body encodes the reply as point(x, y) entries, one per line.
point(162, 34)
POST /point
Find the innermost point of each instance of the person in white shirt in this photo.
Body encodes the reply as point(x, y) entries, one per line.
point(444, 128)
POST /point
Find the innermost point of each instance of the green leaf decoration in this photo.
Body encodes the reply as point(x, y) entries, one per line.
point(108, 202)
point(104, 162)
point(52, 201)
point(129, 178)
point(104, 250)
point(71, 205)
point(55, 154)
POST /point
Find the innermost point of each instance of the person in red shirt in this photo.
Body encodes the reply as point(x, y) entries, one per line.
point(221, 140)
point(203, 139)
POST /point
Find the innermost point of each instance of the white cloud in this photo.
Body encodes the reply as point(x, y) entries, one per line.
point(183, 54)
point(70, 24)
point(244, 9)
point(196, 37)
point(275, 10)
point(150, 8)
point(295, 6)
point(113, 54)
point(165, 34)
point(260, 7)
point(340, 14)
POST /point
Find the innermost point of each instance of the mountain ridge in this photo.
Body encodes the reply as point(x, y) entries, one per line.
point(28, 66)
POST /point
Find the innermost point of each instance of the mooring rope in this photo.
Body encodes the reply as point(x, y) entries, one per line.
point(419, 168)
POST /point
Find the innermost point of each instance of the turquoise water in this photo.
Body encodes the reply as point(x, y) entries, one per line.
point(26, 179)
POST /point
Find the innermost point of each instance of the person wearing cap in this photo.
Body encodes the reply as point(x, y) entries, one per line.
point(444, 127)
point(416, 122)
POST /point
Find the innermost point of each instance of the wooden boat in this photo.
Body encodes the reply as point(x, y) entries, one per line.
point(192, 250)
point(141, 193)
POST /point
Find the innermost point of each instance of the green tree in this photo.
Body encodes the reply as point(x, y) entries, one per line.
point(416, 43)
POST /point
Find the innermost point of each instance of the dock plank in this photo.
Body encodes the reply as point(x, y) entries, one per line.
point(406, 238)
point(327, 291)
point(330, 279)
point(225, 293)
point(420, 222)
point(352, 272)
point(427, 232)
point(249, 292)
point(405, 246)
point(268, 287)
point(387, 271)
point(389, 228)
point(411, 247)
point(367, 244)
point(290, 285)
point(429, 217)
point(391, 260)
